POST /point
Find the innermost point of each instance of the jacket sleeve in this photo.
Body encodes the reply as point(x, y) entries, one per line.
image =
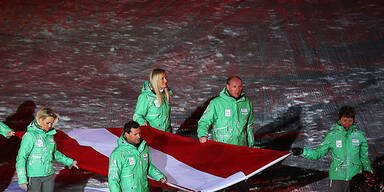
point(251, 137)
point(141, 109)
point(62, 158)
point(153, 172)
point(114, 172)
point(206, 120)
point(364, 158)
point(26, 146)
point(320, 151)
point(4, 129)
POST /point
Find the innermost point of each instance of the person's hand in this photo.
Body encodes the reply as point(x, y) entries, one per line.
point(10, 133)
point(163, 180)
point(358, 179)
point(145, 124)
point(370, 177)
point(203, 139)
point(297, 151)
point(24, 186)
point(74, 164)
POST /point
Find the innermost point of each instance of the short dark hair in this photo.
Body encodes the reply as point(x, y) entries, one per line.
point(347, 111)
point(231, 77)
point(129, 125)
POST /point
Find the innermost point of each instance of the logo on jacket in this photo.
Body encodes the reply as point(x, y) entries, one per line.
point(40, 143)
point(145, 156)
point(131, 161)
point(227, 112)
point(244, 111)
point(157, 103)
point(355, 142)
point(339, 144)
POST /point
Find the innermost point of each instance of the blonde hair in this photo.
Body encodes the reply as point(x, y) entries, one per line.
point(44, 113)
point(154, 78)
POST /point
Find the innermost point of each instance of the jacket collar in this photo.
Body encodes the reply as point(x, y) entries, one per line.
point(337, 125)
point(147, 88)
point(34, 127)
point(123, 142)
point(225, 94)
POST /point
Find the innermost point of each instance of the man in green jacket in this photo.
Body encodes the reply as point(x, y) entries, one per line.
point(6, 131)
point(231, 114)
point(349, 151)
point(130, 163)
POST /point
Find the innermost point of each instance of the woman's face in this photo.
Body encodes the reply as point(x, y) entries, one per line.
point(47, 123)
point(163, 81)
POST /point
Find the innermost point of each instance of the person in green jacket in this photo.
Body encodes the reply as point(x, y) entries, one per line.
point(152, 106)
point(34, 167)
point(349, 151)
point(231, 114)
point(130, 163)
point(6, 131)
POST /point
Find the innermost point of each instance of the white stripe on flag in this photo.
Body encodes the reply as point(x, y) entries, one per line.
point(101, 140)
point(182, 174)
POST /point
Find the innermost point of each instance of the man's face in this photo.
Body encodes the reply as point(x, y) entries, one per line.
point(134, 136)
point(163, 81)
point(346, 122)
point(235, 87)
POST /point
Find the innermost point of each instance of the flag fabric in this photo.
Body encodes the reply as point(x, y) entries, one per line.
point(188, 164)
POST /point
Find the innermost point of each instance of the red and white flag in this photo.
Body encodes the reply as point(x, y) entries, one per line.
point(188, 164)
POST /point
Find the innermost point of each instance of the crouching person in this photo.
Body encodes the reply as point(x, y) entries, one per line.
point(34, 167)
point(130, 163)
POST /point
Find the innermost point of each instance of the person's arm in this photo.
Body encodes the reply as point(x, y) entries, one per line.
point(58, 156)
point(364, 158)
point(141, 110)
point(114, 171)
point(320, 151)
point(251, 137)
point(26, 146)
point(206, 121)
point(153, 172)
point(5, 130)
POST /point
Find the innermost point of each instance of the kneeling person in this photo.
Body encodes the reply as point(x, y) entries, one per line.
point(130, 162)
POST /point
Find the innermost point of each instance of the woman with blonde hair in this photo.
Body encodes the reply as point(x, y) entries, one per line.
point(152, 106)
point(34, 167)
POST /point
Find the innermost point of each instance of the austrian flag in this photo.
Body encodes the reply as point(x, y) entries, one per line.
point(188, 164)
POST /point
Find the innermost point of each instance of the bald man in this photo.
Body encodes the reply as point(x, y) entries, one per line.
point(231, 114)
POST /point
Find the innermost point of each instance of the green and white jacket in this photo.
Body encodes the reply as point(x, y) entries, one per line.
point(36, 152)
point(232, 120)
point(149, 110)
point(349, 152)
point(129, 167)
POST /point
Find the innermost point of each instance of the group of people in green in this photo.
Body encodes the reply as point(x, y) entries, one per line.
point(230, 115)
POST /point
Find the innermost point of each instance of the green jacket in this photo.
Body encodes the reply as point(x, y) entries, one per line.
point(4, 129)
point(349, 152)
point(129, 167)
point(149, 110)
point(36, 152)
point(232, 120)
